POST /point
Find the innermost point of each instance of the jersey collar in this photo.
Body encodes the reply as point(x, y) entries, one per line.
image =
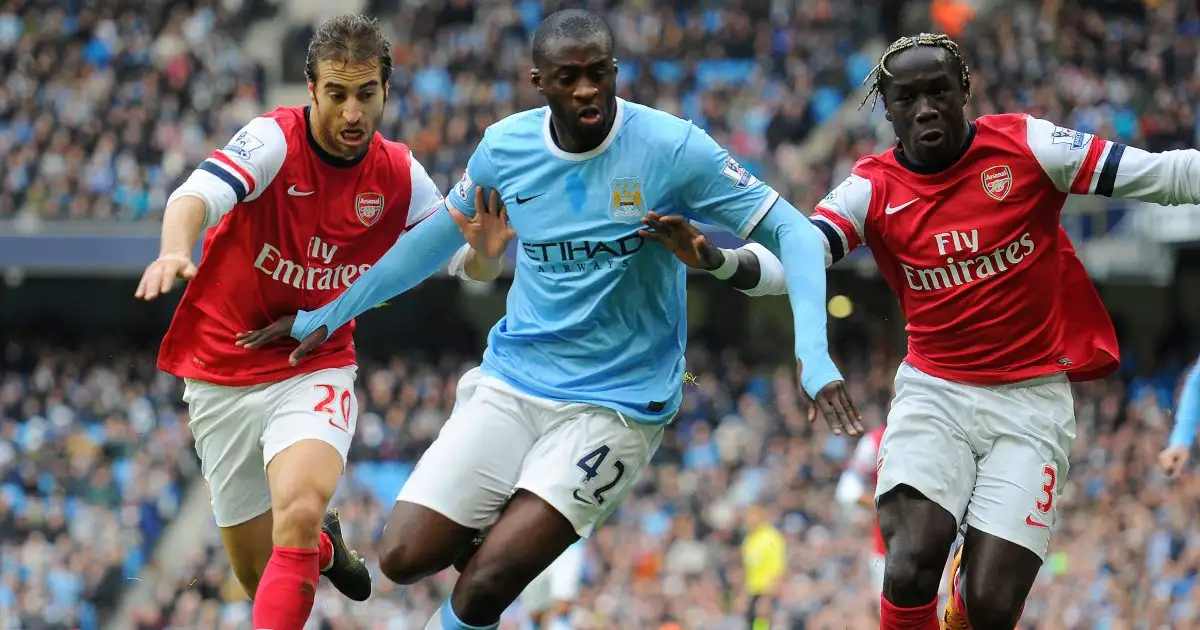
point(898, 153)
point(326, 156)
point(586, 155)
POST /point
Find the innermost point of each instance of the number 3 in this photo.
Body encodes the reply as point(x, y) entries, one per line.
point(1047, 502)
point(331, 393)
point(590, 464)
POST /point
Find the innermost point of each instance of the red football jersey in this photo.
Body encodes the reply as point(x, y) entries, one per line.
point(290, 227)
point(985, 275)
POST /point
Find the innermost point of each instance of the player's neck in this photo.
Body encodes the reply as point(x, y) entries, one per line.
point(572, 145)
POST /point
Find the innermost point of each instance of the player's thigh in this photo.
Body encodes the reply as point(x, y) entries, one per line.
point(471, 469)
point(925, 447)
point(227, 424)
point(586, 464)
point(524, 542)
point(1020, 478)
point(319, 406)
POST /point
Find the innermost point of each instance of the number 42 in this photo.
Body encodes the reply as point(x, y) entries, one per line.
point(590, 465)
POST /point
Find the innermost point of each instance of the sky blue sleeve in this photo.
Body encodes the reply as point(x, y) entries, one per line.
point(480, 171)
point(414, 257)
point(715, 188)
point(788, 234)
point(1187, 414)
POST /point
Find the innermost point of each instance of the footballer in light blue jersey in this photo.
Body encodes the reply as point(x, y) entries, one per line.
point(594, 313)
point(586, 366)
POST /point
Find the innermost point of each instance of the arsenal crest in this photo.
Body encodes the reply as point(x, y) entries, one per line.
point(369, 207)
point(997, 182)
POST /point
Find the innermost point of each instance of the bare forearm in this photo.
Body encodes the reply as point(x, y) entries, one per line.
point(183, 222)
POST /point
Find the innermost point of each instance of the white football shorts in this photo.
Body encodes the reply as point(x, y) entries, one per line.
point(560, 582)
point(994, 456)
point(238, 431)
point(580, 458)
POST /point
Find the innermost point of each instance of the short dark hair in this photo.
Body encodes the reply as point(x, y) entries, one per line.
point(348, 38)
point(572, 24)
point(944, 42)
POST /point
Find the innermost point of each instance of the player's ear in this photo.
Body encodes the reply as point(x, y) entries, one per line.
point(535, 79)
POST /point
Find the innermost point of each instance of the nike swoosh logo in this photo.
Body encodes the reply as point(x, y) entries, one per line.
point(1032, 523)
point(296, 193)
point(576, 495)
point(521, 201)
point(890, 209)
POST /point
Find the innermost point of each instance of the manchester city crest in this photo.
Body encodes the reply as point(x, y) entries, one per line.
point(628, 205)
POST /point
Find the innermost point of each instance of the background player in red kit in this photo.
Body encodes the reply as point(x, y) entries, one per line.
point(298, 204)
point(963, 220)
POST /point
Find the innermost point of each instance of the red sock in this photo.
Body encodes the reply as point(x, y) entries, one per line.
point(286, 590)
point(892, 617)
point(325, 549)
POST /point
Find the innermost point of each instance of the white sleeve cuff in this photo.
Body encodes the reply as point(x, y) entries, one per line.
point(771, 279)
point(458, 265)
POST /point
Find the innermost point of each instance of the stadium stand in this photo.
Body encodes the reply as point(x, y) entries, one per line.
point(106, 105)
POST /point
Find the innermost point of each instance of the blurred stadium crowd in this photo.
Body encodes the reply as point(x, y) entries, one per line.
point(107, 104)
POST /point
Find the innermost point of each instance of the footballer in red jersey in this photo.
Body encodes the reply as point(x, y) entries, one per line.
point(963, 219)
point(299, 204)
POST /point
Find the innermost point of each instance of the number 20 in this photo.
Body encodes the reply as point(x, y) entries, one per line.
point(331, 393)
point(590, 465)
point(1047, 501)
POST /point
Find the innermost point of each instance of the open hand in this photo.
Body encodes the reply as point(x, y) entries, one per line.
point(835, 406)
point(160, 275)
point(682, 238)
point(488, 233)
point(279, 329)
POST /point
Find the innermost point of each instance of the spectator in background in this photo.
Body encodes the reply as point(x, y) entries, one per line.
point(764, 559)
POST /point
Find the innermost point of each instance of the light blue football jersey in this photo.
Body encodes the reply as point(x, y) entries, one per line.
point(597, 314)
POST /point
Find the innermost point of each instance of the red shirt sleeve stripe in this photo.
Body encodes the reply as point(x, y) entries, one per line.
point(844, 225)
point(1083, 179)
point(224, 159)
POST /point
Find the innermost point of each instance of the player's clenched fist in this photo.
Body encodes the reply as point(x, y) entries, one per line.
point(160, 276)
point(1173, 459)
point(278, 329)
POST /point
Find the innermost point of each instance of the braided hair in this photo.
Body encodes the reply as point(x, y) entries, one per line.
point(924, 39)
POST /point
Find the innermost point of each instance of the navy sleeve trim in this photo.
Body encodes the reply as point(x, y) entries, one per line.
point(836, 250)
point(239, 189)
point(1108, 174)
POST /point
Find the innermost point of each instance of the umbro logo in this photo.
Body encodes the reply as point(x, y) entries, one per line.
point(521, 201)
point(296, 193)
point(890, 209)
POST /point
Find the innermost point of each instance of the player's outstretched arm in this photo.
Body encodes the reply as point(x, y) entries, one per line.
point(1187, 415)
point(413, 258)
point(1082, 164)
point(788, 235)
point(751, 269)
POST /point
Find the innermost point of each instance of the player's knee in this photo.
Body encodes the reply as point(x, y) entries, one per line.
point(992, 605)
point(298, 521)
point(912, 573)
point(485, 590)
point(406, 561)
